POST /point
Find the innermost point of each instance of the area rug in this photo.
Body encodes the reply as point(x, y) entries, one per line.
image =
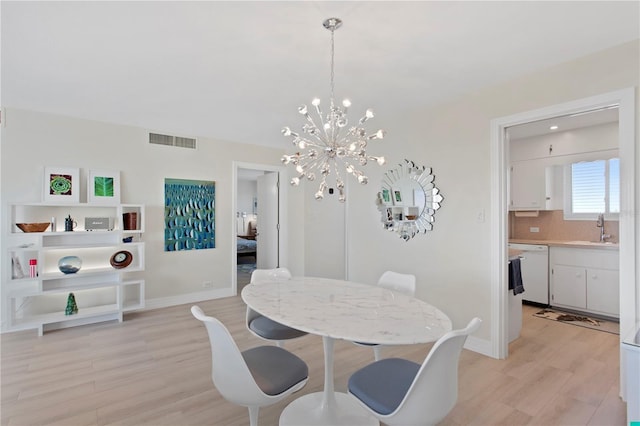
point(579, 320)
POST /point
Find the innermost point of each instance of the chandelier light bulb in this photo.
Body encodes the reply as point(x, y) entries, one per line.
point(324, 145)
point(377, 135)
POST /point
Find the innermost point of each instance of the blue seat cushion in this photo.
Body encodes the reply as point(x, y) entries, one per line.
point(272, 330)
point(275, 369)
point(383, 384)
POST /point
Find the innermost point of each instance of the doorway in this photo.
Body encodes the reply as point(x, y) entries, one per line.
point(629, 291)
point(257, 226)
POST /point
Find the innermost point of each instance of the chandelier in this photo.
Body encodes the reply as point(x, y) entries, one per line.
point(328, 144)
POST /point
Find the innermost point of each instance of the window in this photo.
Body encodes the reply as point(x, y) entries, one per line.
point(593, 188)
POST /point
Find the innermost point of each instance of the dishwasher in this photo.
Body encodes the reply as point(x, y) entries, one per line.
point(534, 266)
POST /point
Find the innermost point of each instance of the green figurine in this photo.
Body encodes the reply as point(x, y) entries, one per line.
point(71, 308)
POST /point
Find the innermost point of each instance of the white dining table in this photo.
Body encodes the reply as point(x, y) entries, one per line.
point(339, 309)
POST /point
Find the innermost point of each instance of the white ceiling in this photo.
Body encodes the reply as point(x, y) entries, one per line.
point(239, 70)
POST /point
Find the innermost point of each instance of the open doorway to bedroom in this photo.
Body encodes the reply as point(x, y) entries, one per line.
point(246, 224)
point(257, 228)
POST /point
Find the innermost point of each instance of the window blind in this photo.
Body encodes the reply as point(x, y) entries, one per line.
point(595, 186)
point(588, 186)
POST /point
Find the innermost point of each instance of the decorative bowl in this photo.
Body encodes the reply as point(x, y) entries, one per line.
point(69, 264)
point(33, 227)
point(121, 259)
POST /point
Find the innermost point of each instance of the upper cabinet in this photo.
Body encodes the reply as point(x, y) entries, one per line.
point(527, 186)
point(535, 187)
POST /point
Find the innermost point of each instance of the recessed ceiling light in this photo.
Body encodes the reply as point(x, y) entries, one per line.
point(553, 128)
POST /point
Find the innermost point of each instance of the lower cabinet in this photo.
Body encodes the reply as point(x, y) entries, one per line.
point(585, 279)
point(569, 286)
point(603, 293)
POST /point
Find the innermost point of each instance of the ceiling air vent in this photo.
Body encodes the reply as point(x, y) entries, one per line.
point(179, 141)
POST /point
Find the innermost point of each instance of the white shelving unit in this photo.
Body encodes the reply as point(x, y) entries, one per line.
point(102, 292)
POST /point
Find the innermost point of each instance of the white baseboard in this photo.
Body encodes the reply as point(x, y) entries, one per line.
point(478, 345)
point(164, 302)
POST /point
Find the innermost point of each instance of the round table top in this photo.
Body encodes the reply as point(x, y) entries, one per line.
point(347, 310)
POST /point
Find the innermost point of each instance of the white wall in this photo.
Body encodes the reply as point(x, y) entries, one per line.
point(247, 191)
point(32, 140)
point(325, 233)
point(452, 263)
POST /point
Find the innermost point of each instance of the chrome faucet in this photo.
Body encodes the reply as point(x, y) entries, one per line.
point(600, 224)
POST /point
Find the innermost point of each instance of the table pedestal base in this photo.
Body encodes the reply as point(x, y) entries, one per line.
point(308, 410)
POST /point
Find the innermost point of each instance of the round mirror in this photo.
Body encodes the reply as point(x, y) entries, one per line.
point(408, 200)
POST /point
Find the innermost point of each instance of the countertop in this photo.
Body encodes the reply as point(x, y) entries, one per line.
point(575, 244)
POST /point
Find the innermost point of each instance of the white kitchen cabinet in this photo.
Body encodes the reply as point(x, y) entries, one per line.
point(585, 280)
point(103, 289)
point(603, 295)
point(554, 187)
point(527, 186)
point(569, 287)
point(534, 186)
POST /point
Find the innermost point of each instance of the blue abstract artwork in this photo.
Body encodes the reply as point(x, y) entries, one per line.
point(189, 214)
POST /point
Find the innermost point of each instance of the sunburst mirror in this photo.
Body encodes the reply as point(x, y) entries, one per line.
point(408, 200)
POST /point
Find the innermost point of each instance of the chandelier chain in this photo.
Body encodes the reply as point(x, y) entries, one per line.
point(332, 64)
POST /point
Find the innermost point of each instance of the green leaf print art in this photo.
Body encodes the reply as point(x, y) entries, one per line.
point(103, 186)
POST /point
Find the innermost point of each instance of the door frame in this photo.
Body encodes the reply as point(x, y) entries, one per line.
point(629, 292)
point(282, 203)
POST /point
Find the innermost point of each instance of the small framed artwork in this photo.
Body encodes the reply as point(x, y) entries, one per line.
point(386, 196)
point(103, 187)
point(61, 185)
point(397, 197)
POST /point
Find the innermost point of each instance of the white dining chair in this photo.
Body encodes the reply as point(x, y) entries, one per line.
point(403, 283)
point(263, 327)
point(254, 378)
point(402, 392)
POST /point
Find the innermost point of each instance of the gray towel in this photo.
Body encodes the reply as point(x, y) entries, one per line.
point(515, 277)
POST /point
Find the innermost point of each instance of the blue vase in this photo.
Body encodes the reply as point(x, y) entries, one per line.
point(69, 264)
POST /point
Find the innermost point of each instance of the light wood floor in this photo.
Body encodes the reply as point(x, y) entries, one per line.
point(154, 369)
